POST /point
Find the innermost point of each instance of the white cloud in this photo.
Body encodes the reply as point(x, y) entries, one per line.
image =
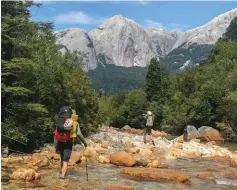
point(153, 24)
point(143, 2)
point(78, 17)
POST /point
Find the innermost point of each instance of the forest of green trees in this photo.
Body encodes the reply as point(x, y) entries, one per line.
point(205, 95)
point(37, 80)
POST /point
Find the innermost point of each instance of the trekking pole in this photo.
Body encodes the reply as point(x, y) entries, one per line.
point(86, 170)
point(86, 155)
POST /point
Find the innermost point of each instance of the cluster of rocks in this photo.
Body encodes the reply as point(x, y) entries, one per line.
point(125, 148)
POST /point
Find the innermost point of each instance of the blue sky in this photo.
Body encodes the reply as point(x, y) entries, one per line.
point(168, 15)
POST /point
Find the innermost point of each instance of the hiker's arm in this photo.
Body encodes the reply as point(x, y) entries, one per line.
point(56, 145)
point(80, 136)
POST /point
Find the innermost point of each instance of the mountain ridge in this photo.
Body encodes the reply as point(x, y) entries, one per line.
point(123, 42)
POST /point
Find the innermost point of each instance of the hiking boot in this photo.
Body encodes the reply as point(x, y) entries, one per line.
point(153, 143)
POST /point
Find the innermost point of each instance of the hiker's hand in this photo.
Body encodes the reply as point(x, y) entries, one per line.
point(56, 150)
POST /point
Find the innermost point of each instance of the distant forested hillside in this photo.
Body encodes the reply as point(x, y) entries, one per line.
point(111, 78)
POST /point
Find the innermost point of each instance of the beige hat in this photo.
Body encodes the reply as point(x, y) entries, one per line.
point(149, 113)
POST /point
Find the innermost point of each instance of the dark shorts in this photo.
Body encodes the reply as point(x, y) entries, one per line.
point(65, 150)
point(147, 130)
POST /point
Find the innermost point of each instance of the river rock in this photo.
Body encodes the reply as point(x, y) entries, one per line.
point(231, 176)
point(104, 145)
point(122, 158)
point(39, 159)
point(180, 139)
point(75, 158)
point(146, 152)
point(233, 162)
point(156, 174)
point(103, 159)
point(25, 174)
point(192, 132)
point(43, 163)
point(155, 164)
point(206, 175)
point(134, 150)
point(209, 134)
point(195, 140)
point(126, 127)
point(118, 187)
point(179, 145)
point(128, 144)
point(225, 159)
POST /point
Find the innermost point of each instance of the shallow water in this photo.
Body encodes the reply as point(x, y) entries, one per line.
point(101, 176)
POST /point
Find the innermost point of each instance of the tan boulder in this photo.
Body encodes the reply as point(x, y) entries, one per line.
point(225, 159)
point(154, 164)
point(104, 145)
point(134, 150)
point(75, 158)
point(122, 158)
point(206, 175)
point(146, 152)
point(153, 149)
point(156, 174)
point(179, 145)
point(180, 139)
point(39, 160)
point(209, 134)
point(191, 155)
point(233, 162)
point(195, 140)
point(25, 174)
point(103, 159)
point(231, 176)
point(128, 144)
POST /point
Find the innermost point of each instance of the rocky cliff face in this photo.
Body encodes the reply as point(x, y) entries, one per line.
point(122, 42)
point(78, 41)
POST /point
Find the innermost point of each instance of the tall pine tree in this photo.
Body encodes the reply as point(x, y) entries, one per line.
point(157, 82)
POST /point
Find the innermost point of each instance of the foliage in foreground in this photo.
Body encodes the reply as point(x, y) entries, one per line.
point(37, 80)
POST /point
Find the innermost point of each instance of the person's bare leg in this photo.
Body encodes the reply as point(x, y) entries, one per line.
point(144, 137)
point(152, 140)
point(61, 164)
point(64, 169)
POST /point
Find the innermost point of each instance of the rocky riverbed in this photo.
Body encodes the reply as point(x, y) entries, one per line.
point(120, 160)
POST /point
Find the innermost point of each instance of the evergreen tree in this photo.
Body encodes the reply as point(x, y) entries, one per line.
point(157, 82)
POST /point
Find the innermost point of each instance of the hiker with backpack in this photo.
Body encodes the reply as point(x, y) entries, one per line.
point(148, 127)
point(67, 129)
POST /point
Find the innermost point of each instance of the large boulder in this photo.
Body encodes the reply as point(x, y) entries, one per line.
point(125, 128)
point(103, 159)
point(154, 164)
point(190, 133)
point(25, 174)
point(206, 175)
point(233, 161)
point(39, 160)
point(156, 174)
point(122, 158)
point(134, 150)
point(104, 145)
point(75, 158)
point(209, 134)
